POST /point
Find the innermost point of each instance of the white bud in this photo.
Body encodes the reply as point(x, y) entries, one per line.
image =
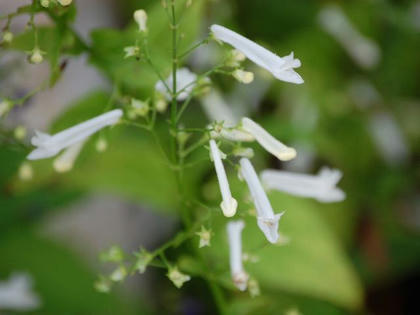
point(205, 236)
point(143, 259)
point(177, 277)
point(131, 51)
point(45, 3)
point(19, 132)
point(242, 76)
point(25, 171)
point(65, 2)
point(36, 56)
point(101, 145)
point(7, 37)
point(253, 288)
point(113, 254)
point(140, 16)
point(161, 103)
point(103, 285)
point(118, 274)
point(138, 109)
point(5, 106)
point(235, 58)
point(244, 152)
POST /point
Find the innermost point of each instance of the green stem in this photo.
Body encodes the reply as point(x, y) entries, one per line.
point(174, 104)
point(189, 50)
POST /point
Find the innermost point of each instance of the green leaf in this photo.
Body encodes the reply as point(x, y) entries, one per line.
point(63, 282)
point(108, 45)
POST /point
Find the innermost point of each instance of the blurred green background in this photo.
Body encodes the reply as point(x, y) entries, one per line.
point(360, 256)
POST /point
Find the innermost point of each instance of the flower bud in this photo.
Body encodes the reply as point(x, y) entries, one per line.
point(7, 37)
point(161, 103)
point(45, 3)
point(131, 51)
point(253, 288)
point(235, 58)
point(36, 56)
point(5, 107)
point(101, 145)
point(113, 254)
point(103, 285)
point(140, 16)
point(138, 109)
point(177, 277)
point(143, 259)
point(118, 274)
point(19, 132)
point(242, 76)
point(243, 152)
point(25, 171)
point(205, 236)
point(65, 2)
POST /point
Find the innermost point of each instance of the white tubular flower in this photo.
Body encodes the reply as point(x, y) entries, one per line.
point(140, 16)
point(178, 278)
point(267, 221)
point(17, 294)
point(65, 161)
point(267, 141)
point(239, 276)
point(216, 109)
point(320, 187)
point(362, 50)
point(184, 81)
point(388, 138)
point(280, 67)
point(229, 204)
point(49, 145)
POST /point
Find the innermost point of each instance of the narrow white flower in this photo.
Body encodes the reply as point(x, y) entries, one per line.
point(205, 237)
point(388, 138)
point(49, 145)
point(140, 16)
point(238, 274)
point(229, 204)
point(17, 294)
point(178, 278)
point(362, 50)
point(65, 161)
point(321, 187)
point(242, 76)
point(267, 221)
point(280, 67)
point(267, 141)
point(185, 81)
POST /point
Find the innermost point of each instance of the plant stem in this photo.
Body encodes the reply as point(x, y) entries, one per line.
point(174, 97)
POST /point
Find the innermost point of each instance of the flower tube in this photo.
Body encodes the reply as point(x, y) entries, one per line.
point(321, 186)
point(229, 204)
point(267, 141)
point(239, 276)
point(268, 222)
point(49, 145)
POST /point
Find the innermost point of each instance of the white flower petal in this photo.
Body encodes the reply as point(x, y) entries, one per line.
point(239, 276)
point(320, 187)
point(266, 219)
point(267, 141)
point(281, 68)
point(229, 204)
point(184, 81)
point(50, 145)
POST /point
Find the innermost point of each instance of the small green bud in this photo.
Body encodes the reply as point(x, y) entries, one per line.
point(143, 259)
point(103, 285)
point(118, 274)
point(113, 254)
point(7, 37)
